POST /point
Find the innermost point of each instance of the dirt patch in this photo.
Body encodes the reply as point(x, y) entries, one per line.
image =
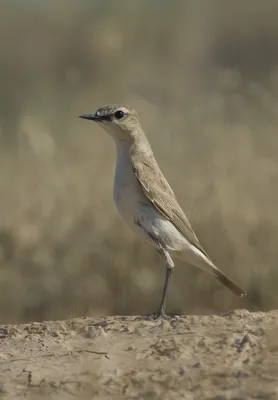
point(192, 357)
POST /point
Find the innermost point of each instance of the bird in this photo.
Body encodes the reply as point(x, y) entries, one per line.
point(146, 201)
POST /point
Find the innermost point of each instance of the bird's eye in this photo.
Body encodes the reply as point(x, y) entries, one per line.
point(119, 114)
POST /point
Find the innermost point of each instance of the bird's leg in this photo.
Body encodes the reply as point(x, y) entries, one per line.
point(169, 264)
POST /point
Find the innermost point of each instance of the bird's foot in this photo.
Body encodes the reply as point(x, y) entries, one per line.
point(161, 314)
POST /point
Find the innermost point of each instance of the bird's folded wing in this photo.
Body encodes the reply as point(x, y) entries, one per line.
point(159, 192)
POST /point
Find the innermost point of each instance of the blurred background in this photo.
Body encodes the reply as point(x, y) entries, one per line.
point(203, 77)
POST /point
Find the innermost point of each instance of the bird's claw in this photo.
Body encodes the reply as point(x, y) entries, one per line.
point(161, 314)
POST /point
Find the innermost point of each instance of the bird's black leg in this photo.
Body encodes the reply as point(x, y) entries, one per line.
point(162, 307)
point(169, 264)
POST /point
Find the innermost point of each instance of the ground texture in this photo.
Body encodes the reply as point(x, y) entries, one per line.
point(192, 357)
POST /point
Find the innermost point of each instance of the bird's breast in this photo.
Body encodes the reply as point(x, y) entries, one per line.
point(127, 193)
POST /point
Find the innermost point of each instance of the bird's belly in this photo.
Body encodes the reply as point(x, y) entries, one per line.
point(145, 220)
point(163, 230)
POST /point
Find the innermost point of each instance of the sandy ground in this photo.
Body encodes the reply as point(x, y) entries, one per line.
point(192, 357)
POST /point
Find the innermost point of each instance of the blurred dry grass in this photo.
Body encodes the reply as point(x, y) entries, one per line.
point(204, 79)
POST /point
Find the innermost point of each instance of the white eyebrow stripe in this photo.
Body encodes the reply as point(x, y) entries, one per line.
point(125, 110)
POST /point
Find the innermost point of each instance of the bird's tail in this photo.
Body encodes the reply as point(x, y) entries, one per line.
point(228, 283)
point(201, 260)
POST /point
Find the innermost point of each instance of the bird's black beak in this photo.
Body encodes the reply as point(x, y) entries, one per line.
point(92, 117)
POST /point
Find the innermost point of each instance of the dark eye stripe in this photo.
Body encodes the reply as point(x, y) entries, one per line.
point(105, 117)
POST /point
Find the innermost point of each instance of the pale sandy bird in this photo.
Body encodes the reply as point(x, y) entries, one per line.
point(146, 201)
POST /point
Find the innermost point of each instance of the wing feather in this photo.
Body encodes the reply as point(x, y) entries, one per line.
point(159, 192)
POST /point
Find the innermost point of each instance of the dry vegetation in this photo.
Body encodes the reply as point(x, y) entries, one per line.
point(204, 79)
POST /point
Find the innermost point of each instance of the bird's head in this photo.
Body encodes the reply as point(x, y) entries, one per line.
point(119, 121)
